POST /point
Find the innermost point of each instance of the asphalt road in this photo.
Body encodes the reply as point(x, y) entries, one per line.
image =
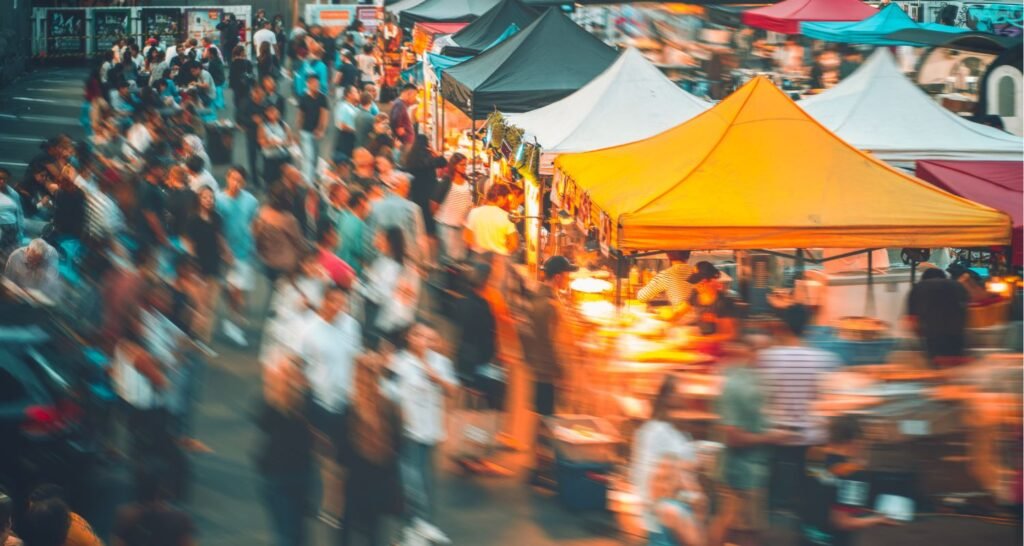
point(226, 498)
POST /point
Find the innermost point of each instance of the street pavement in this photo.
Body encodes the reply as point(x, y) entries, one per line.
point(226, 500)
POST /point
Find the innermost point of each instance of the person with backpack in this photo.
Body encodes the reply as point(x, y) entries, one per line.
point(241, 75)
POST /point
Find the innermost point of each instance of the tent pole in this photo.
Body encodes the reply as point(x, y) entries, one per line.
point(618, 280)
point(870, 308)
point(472, 142)
point(800, 262)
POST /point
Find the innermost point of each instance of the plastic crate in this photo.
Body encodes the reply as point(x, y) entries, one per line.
point(582, 485)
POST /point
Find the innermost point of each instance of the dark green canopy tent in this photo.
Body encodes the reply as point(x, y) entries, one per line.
point(540, 64)
point(481, 33)
point(446, 11)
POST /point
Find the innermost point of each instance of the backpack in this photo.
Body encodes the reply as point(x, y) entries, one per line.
point(216, 70)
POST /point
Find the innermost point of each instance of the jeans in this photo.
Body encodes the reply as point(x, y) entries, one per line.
point(286, 495)
point(252, 152)
point(419, 478)
point(787, 473)
point(452, 245)
point(309, 154)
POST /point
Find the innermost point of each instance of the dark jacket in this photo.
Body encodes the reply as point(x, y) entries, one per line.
point(478, 330)
point(539, 335)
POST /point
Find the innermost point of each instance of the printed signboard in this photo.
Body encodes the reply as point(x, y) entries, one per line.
point(108, 26)
point(65, 31)
point(164, 23)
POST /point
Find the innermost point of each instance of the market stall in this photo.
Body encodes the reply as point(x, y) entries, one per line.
point(753, 172)
point(424, 34)
point(540, 64)
point(786, 16)
point(877, 109)
point(874, 30)
point(490, 27)
point(997, 184)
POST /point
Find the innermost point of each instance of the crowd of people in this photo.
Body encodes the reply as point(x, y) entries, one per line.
point(158, 256)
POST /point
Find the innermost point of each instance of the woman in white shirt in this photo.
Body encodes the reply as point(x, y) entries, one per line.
point(294, 299)
point(391, 290)
point(422, 381)
point(654, 440)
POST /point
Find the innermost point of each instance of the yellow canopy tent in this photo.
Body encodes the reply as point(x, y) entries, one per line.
point(756, 171)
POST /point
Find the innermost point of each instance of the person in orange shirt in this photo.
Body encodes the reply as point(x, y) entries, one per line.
point(49, 520)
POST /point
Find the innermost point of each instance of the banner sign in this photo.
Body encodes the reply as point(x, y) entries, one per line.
point(202, 23)
point(164, 23)
point(110, 25)
point(65, 30)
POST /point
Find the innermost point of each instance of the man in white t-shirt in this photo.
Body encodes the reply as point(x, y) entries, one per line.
point(265, 35)
point(488, 228)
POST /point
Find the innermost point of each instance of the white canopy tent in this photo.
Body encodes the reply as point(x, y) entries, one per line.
point(879, 110)
point(631, 100)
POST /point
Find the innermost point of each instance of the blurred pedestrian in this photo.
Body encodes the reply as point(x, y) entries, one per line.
point(284, 457)
point(449, 207)
point(423, 384)
point(49, 521)
point(790, 372)
point(373, 488)
point(238, 209)
point(152, 521)
point(391, 290)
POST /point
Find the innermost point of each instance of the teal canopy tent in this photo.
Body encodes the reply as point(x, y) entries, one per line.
point(874, 30)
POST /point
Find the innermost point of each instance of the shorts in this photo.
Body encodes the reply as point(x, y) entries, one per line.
point(242, 275)
point(491, 390)
point(747, 508)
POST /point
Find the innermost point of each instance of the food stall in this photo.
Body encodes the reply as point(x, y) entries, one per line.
point(758, 175)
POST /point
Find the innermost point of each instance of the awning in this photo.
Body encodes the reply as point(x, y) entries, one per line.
point(480, 34)
point(875, 30)
point(786, 16)
point(446, 10)
point(756, 171)
point(998, 184)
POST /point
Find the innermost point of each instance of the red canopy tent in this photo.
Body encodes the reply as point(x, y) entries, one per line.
point(998, 184)
point(786, 16)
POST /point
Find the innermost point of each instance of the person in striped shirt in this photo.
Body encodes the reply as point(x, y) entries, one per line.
point(673, 282)
point(790, 372)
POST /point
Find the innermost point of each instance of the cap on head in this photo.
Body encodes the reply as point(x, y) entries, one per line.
point(558, 264)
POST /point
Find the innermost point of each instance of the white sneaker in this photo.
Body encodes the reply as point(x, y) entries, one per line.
point(234, 333)
point(430, 532)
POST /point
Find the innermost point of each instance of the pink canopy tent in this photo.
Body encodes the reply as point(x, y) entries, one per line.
point(998, 184)
point(787, 15)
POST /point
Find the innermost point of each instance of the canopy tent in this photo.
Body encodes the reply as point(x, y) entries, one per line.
point(440, 63)
point(877, 109)
point(874, 30)
point(401, 5)
point(755, 171)
point(446, 11)
point(489, 27)
point(424, 35)
point(629, 101)
point(968, 40)
point(998, 184)
point(540, 64)
point(786, 16)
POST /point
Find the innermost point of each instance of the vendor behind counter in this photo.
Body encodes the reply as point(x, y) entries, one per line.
point(673, 282)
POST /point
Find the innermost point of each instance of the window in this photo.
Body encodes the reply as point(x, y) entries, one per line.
point(1007, 96)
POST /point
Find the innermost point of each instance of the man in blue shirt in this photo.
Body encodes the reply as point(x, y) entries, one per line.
point(237, 208)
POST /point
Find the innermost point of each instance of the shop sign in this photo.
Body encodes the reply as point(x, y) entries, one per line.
point(65, 31)
point(163, 23)
point(110, 25)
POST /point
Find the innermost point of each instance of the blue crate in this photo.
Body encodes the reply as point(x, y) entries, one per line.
point(577, 489)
